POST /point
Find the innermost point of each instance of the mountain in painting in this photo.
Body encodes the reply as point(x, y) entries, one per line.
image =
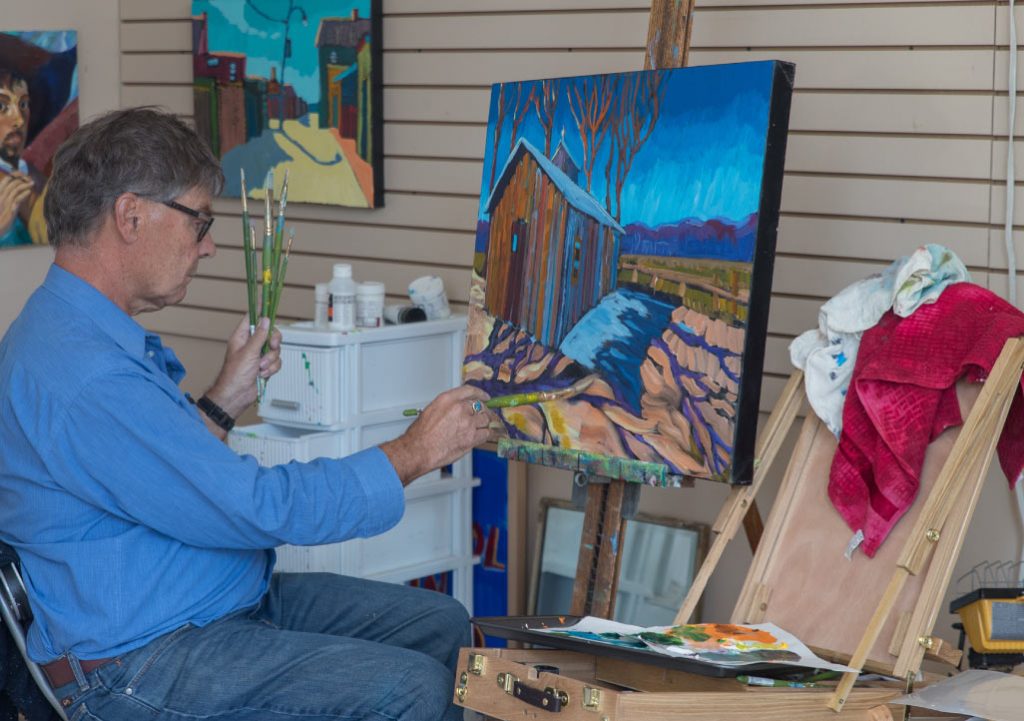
point(691, 238)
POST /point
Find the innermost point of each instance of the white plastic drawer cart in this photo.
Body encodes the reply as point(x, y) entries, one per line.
point(338, 393)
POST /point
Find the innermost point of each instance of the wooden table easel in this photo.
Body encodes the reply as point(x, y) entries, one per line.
point(610, 501)
point(892, 631)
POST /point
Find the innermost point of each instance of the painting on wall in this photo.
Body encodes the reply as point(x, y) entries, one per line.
point(292, 85)
point(38, 111)
point(623, 261)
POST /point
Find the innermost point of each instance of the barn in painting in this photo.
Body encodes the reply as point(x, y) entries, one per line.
point(553, 249)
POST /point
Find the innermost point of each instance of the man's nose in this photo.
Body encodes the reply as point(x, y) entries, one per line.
point(207, 246)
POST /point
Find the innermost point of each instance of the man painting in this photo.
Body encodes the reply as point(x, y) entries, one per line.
point(146, 543)
point(20, 185)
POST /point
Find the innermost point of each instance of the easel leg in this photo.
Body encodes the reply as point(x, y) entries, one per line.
point(741, 497)
point(597, 568)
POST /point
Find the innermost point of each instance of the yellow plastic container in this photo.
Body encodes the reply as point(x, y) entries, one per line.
point(993, 619)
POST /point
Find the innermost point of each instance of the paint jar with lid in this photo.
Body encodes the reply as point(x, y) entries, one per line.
point(321, 294)
point(341, 303)
point(369, 304)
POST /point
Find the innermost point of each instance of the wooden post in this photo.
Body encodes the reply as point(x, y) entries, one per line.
point(596, 582)
point(668, 34)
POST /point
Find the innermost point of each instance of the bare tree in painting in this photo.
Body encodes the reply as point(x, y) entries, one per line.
point(637, 108)
point(499, 123)
point(520, 107)
point(590, 100)
point(546, 105)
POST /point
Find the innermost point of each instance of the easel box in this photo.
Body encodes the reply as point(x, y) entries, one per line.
point(591, 690)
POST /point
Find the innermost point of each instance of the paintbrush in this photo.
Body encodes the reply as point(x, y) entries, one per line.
point(268, 275)
point(247, 251)
point(278, 288)
point(527, 399)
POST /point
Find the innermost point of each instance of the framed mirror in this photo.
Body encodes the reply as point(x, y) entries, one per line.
point(658, 561)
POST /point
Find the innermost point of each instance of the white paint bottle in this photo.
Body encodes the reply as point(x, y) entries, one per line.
point(322, 297)
point(369, 304)
point(341, 304)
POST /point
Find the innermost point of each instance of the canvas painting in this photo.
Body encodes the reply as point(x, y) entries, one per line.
point(292, 85)
point(623, 261)
point(38, 111)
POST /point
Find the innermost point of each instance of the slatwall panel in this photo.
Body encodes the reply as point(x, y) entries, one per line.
point(891, 143)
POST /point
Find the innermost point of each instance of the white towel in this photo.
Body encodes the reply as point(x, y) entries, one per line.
point(827, 353)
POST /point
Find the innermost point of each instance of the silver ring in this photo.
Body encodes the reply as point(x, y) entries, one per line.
point(477, 407)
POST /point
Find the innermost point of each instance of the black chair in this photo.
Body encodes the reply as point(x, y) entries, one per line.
point(17, 616)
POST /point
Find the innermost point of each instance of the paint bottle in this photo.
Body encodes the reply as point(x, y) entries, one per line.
point(369, 304)
point(322, 294)
point(341, 307)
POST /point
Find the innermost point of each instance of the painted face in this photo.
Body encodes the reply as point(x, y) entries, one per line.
point(170, 252)
point(14, 116)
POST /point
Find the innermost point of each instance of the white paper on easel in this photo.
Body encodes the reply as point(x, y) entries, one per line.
point(715, 644)
point(987, 694)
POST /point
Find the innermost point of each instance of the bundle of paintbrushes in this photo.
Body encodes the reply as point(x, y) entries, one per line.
point(265, 271)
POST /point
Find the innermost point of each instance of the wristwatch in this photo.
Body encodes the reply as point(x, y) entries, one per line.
point(215, 413)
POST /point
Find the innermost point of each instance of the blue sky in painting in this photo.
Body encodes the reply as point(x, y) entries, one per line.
point(237, 26)
point(704, 159)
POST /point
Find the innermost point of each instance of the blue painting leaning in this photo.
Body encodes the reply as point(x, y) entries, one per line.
point(624, 246)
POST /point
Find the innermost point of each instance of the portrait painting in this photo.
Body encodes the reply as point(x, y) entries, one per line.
point(38, 111)
point(622, 267)
point(292, 85)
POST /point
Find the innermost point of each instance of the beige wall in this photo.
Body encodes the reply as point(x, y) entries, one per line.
point(893, 144)
point(21, 269)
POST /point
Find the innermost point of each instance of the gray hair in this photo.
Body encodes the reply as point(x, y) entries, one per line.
point(146, 151)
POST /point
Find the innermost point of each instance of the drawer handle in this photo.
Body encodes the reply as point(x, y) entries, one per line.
point(287, 405)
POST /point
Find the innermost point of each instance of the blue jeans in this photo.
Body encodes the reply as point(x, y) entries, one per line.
point(318, 646)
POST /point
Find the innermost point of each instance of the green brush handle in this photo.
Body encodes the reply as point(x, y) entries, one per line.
point(250, 279)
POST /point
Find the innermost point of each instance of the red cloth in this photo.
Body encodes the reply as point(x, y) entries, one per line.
point(903, 394)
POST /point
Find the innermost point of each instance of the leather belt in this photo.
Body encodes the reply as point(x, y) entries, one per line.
point(59, 672)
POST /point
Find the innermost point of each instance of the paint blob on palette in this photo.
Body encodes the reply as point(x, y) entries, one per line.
point(626, 235)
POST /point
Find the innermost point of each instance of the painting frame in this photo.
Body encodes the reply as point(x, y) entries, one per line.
point(326, 126)
point(701, 534)
point(571, 240)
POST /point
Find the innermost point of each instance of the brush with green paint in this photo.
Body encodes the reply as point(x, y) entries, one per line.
point(527, 399)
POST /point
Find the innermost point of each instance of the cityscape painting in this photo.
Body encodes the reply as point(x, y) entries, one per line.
point(38, 111)
point(292, 85)
point(624, 249)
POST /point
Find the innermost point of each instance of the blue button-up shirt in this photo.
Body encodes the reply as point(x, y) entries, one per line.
point(130, 517)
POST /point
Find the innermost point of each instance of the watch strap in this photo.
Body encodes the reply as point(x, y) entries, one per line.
point(215, 413)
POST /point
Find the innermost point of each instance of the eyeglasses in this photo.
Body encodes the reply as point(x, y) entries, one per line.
point(206, 218)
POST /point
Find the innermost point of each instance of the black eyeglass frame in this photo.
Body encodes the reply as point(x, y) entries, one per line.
point(206, 218)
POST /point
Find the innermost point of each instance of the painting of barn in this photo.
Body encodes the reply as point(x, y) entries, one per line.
point(624, 247)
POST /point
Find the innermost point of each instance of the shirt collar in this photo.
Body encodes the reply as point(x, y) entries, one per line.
point(95, 306)
point(8, 168)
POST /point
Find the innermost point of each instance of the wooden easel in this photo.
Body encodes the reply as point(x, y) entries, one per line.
point(894, 639)
point(604, 528)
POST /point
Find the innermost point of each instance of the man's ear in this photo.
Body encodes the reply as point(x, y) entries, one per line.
point(128, 216)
